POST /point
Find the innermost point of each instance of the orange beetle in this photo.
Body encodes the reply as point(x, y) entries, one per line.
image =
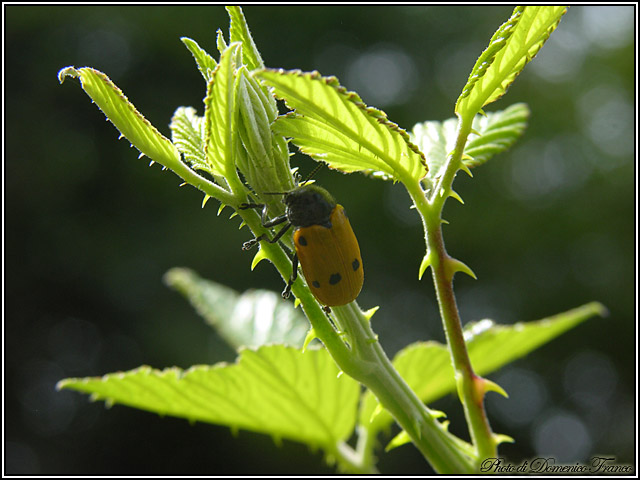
point(326, 246)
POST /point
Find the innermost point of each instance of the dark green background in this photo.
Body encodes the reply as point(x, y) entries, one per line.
point(90, 229)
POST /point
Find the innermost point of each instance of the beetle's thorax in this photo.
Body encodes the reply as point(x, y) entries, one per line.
point(309, 205)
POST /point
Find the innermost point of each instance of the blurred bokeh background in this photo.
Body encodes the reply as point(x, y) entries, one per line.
point(90, 229)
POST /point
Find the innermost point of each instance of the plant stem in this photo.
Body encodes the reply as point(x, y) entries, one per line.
point(470, 386)
point(375, 371)
point(204, 185)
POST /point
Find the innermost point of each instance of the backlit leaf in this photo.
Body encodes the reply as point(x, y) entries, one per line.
point(239, 32)
point(335, 126)
point(426, 366)
point(187, 133)
point(206, 63)
point(513, 45)
point(220, 115)
point(251, 319)
point(275, 390)
point(497, 131)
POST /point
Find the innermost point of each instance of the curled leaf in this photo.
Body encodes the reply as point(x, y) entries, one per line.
point(121, 112)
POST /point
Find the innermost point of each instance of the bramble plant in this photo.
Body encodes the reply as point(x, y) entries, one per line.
point(237, 153)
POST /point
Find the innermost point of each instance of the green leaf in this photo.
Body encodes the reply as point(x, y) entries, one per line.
point(220, 115)
point(426, 366)
point(436, 140)
point(187, 134)
point(239, 32)
point(131, 124)
point(492, 346)
point(513, 45)
point(253, 318)
point(497, 131)
point(275, 390)
point(220, 43)
point(206, 63)
point(334, 126)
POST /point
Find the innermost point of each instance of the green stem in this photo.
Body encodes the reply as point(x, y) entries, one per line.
point(443, 267)
point(375, 371)
point(469, 384)
point(206, 186)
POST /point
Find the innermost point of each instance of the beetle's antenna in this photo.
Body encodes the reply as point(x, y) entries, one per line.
point(313, 172)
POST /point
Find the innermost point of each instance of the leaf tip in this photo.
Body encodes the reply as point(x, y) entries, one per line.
point(600, 309)
point(61, 384)
point(67, 72)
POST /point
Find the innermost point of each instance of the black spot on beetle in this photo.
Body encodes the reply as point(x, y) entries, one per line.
point(334, 278)
point(355, 264)
point(302, 241)
point(316, 284)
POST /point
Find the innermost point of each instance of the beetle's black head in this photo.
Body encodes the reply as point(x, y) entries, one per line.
point(309, 205)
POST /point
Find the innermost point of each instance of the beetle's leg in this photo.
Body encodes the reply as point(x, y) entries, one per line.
point(294, 274)
point(263, 218)
point(274, 221)
point(255, 206)
point(254, 241)
point(265, 223)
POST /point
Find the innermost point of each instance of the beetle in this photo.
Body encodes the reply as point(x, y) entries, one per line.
point(326, 247)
